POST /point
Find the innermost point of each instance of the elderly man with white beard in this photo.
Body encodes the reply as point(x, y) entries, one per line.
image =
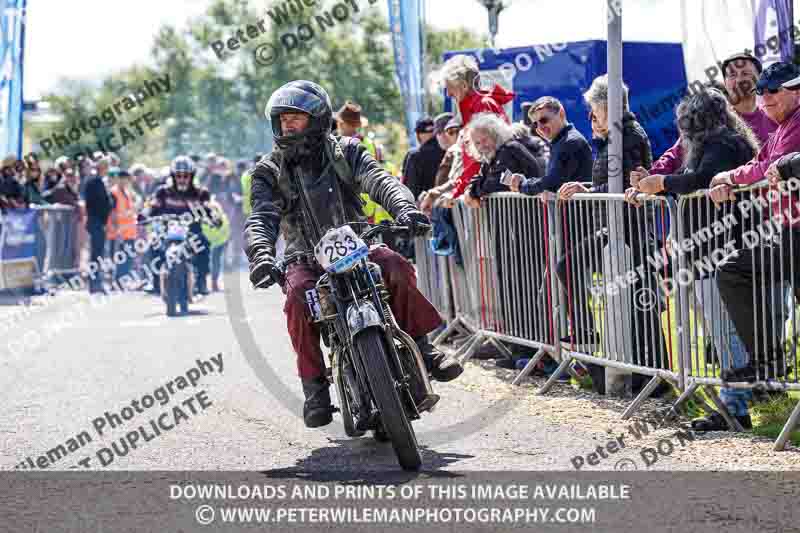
point(497, 150)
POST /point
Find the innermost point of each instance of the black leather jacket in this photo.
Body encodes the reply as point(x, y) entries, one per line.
point(278, 200)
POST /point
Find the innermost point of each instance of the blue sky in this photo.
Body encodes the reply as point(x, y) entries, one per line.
point(103, 36)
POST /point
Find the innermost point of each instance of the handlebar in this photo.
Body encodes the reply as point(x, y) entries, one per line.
point(373, 231)
point(159, 218)
point(378, 229)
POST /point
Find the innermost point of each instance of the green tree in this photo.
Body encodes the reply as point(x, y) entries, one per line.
point(218, 105)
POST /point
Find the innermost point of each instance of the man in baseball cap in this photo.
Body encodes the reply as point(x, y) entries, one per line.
point(737, 272)
point(741, 74)
point(741, 59)
point(440, 122)
point(421, 164)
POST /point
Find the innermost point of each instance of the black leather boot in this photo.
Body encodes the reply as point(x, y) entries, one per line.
point(441, 367)
point(317, 410)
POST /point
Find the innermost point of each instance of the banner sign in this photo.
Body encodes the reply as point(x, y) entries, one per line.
point(12, 42)
point(18, 231)
point(405, 25)
point(773, 24)
point(18, 234)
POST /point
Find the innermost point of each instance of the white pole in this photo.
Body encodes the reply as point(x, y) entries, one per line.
point(616, 379)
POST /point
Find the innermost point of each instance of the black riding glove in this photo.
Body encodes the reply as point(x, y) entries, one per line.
point(264, 273)
point(418, 223)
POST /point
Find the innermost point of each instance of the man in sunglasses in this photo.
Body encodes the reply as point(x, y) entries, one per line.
point(782, 105)
point(744, 268)
point(570, 153)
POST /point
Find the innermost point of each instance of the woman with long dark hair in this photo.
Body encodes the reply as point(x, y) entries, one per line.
point(714, 138)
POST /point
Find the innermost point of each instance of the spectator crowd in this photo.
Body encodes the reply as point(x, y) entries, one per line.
point(723, 143)
point(108, 200)
point(733, 134)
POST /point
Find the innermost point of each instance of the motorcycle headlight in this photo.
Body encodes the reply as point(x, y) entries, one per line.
point(361, 316)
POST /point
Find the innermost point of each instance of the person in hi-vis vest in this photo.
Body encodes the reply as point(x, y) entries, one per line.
point(121, 226)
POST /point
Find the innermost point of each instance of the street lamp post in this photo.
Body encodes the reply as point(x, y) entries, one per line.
point(494, 7)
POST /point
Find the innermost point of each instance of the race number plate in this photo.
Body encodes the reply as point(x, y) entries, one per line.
point(340, 249)
point(312, 299)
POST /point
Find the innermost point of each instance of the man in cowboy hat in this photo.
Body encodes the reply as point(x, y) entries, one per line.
point(349, 120)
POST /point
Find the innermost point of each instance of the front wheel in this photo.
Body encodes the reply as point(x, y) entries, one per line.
point(171, 295)
point(342, 390)
point(370, 344)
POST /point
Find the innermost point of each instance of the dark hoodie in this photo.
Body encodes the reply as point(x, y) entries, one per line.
point(719, 153)
point(636, 152)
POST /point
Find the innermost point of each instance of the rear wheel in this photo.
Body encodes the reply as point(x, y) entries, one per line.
point(396, 425)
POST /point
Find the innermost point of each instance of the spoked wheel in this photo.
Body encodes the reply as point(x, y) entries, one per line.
point(343, 392)
point(395, 423)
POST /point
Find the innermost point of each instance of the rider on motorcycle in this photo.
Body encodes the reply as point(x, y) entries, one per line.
point(310, 183)
point(180, 197)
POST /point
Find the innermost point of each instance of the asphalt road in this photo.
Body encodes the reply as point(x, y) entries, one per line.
point(93, 358)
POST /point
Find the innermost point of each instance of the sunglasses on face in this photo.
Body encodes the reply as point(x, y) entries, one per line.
point(182, 175)
point(541, 122)
point(771, 88)
point(452, 131)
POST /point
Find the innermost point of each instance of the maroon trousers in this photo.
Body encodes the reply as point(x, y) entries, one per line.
point(413, 312)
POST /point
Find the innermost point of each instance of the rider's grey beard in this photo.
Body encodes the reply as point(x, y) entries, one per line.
point(182, 188)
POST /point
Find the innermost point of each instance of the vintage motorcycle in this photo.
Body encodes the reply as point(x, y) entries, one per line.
point(380, 377)
point(176, 279)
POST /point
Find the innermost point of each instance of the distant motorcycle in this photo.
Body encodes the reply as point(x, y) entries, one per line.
point(176, 276)
point(379, 373)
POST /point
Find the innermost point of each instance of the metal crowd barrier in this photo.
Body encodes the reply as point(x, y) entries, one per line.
point(434, 276)
point(464, 331)
point(517, 237)
point(503, 291)
point(761, 289)
point(631, 288)
point(612, 274)
point(60, 227)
